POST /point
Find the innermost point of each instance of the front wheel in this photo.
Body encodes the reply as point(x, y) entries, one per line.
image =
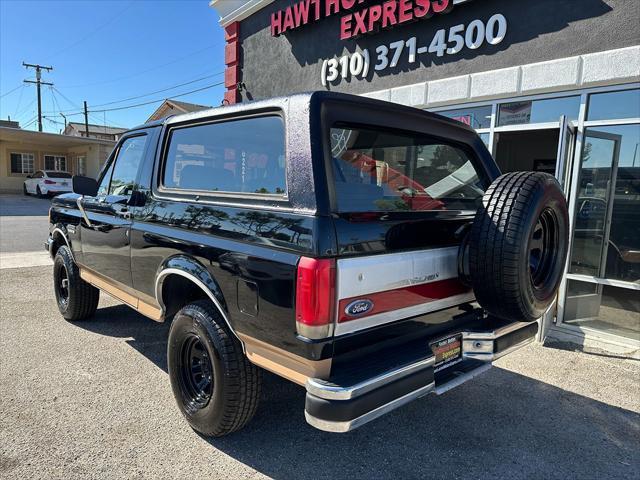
point(76, 298)
point(24, 189)
point(216, 387)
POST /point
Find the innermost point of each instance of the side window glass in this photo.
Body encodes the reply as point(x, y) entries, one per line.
point(239, 156)
point(126, 166)
point(103, 188)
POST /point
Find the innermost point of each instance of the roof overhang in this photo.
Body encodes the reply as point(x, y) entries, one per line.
point(235, 10)
point(16, 135)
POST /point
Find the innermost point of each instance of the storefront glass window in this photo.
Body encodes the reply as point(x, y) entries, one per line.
point(614, 105)
point(485, 138)
point(606, 240)
point(603, 307)
point(476, 117)
point(538, 111)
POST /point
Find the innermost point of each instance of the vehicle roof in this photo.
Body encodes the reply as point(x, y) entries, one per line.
point(317, 96)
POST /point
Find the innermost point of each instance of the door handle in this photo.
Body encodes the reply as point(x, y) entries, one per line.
point(124, 213)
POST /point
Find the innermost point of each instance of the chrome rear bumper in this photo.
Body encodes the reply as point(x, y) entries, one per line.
point(339, 406)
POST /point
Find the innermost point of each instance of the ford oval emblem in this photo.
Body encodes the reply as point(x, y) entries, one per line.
point(358, 307)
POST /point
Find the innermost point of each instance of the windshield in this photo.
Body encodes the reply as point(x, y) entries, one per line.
point(376, 170)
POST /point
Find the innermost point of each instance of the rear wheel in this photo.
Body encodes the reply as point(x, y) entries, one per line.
point(39, 192)
point(76, 298)
point(216, 387)
point(518, 245)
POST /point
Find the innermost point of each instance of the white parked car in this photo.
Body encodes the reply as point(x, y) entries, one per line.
point(47, 182)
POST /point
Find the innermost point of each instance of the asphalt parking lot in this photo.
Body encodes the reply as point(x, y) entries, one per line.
point(92, 400)
point(23, 229)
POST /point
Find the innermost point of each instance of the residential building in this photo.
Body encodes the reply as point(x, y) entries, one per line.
point(9, 123)
point(174, 107)
point(77, 129)
point(22, 152)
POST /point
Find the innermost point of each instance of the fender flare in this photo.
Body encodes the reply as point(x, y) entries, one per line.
point(196, 273)
point(61, 231)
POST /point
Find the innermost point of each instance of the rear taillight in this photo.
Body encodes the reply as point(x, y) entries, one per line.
point(315, 297)
point(49, 182)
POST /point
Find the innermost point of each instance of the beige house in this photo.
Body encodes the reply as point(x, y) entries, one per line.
point(174, 107)
point(104, 132)
point(23, 152)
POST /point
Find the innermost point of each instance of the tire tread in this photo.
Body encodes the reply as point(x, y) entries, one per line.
point(83, 297)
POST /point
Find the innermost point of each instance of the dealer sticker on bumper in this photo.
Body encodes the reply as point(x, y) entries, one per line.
point(448, 351)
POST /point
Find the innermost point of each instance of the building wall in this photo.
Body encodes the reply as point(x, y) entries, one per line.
point(10, 182)
point(538, 31)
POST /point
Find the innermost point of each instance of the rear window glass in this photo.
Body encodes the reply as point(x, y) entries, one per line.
point(244, 156)
point(58, 175)
point(376, 170)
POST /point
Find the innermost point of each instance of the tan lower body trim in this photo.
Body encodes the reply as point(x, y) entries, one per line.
point(113, 289)
point(283, 363)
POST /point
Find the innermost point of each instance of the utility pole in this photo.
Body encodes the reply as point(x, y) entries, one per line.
point(38, 83)
point(65, 120)
point(86, 119)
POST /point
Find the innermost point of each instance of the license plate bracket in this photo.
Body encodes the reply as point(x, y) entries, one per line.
point(447, 350)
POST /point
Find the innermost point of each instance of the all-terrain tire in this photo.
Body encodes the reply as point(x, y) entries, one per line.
point(221, 397)
point(518, 245)
point(77, 299)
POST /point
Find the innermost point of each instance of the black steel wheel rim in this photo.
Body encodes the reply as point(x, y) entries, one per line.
point(62, 285)
point(196, 372)
point(543, 249)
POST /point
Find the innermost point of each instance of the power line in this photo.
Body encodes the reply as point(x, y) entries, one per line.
point(26, 109)
point(161, 99)
point(70, 102)
point(55, 100)
point(11, 91)
point(149, 102)
point(53, 105)
point(92, 32)
point(35, 119)
point(143, 71)
point(31, 119)
point(19, 100)
point(159, 91)
point(141, 95)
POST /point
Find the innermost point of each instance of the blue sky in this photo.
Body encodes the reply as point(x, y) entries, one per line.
point(104, 52)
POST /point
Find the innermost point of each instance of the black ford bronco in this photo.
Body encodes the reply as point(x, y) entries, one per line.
point(367, 251)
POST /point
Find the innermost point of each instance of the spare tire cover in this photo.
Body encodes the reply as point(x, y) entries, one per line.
point(518, 245)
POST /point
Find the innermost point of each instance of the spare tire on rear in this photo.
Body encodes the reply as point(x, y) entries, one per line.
point(518, 245)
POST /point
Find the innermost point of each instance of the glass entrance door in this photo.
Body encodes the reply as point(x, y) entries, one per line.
point(566, 146)
point(603, 280)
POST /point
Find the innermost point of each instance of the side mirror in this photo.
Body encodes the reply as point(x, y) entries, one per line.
point(85, 185)
point(29, 176)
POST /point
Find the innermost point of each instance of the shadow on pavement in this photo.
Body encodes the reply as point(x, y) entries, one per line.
point(574, 347)
point(147, 337)
point(23, 206)
point(500, 425)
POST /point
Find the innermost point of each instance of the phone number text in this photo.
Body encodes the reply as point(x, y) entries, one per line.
point(445, 42)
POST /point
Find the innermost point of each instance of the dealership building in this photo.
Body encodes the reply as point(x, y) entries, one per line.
point(549, 85)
